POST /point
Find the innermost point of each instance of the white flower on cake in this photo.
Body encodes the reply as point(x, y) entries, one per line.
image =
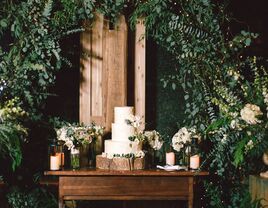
point(140, 154)
point(182, 137)
point(110, 155)
point(250, 112)
point(154, 139)
point(135, 121)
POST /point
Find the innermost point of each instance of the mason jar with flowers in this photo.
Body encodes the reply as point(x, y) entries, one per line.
point(181, 143)
point(77, 136)
point(154, 141)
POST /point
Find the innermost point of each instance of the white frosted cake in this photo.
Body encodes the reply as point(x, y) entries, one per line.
point(121, 131)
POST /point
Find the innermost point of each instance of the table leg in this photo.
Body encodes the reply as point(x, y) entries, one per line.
point(61, 200)
point(61, 203)
point(191, 192)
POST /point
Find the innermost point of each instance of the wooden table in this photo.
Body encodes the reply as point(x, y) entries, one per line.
point(86, 184)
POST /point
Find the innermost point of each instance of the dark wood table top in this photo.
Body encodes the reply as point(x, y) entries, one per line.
point(98, 172)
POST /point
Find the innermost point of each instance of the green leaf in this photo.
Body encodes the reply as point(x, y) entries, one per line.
point(174, 86)
point(3, 23)
point(248, 42)
point(239, 153)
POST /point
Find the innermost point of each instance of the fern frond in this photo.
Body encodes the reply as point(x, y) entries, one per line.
point(47, 8)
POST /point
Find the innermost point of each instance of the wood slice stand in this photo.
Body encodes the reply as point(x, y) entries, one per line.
point(119, 163)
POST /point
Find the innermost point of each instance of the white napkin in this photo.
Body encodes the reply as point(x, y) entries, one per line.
point(171, 167)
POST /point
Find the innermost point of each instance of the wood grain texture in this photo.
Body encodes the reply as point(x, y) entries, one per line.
point(126, 185)
point(258, 188)
point(119, 163)
point(98, 172)
point(134, 187)
point(116, 59)
point(140, 63)
point(103, 72)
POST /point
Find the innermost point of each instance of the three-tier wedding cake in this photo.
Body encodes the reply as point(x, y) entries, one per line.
point(119, 152)
point(121, 131)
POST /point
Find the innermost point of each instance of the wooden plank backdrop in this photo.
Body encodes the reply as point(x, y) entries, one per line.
point(258, 188)
point(103, 71)
point(140, 63)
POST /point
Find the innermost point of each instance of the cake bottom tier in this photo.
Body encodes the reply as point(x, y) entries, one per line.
point(118, 147)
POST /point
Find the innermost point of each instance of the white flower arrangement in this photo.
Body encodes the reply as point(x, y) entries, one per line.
point(77, 135)
point(182, 138)
point(154, 139)
point(250, 112)
point(135, 121)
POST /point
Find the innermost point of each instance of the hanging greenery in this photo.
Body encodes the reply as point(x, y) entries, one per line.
point(225, 93)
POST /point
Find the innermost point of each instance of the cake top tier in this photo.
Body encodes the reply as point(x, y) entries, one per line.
point(121, 114)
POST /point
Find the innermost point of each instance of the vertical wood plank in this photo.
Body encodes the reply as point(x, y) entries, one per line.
point(96, 68)
point(116, 59)
point(140, 62)
point(85, 75)
point(91, 73)
point(258, 188)
point(103, 82)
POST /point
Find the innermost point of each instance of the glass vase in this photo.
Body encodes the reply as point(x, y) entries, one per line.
point(92, 154)
point(186, 156)
point(75, 158)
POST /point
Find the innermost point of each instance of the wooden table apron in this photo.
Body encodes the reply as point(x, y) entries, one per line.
point(126, 185)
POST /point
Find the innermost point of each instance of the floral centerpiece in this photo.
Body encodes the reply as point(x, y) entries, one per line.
point(151, 139)
point(154, 139)
point(74, 136)
point(181, 142)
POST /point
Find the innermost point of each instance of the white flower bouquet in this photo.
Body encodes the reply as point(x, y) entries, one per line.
point(74, 136)
point(154, 139)
point(182, 138)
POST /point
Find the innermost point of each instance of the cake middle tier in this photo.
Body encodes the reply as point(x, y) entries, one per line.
point(121, 132)
point(119, 147)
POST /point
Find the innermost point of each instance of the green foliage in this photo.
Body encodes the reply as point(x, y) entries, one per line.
point(12, 132)
point(31, 199)
point(34, 55)
point(216, 81)
point(211, 69)
point(111, 9)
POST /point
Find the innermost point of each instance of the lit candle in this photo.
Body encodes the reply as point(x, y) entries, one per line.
point(194, 162)
point(61, 158)
point(55, 162)
point(170, 158)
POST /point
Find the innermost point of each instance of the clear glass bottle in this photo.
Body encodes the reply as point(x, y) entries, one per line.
point(186, 155)
point(75, 158)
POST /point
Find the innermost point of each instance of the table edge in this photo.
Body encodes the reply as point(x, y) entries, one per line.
point(124, 173)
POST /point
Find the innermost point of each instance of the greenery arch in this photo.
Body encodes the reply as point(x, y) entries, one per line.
point(211, 72)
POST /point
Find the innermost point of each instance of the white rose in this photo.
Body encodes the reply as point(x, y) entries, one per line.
point(249, 113)
point(69, 144)
point(233, 124)
point(177, 146)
